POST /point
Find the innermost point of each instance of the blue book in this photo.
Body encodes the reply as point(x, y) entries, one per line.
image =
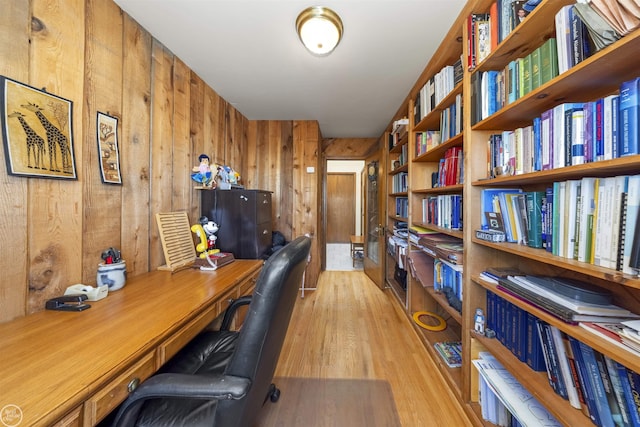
point(629, 112)
point(615, 127)
point(537, 144)
point(598, 118)
point(547, 241)
point(594, 378)
point(630, 386)
point(585, 384)
point(534, 355)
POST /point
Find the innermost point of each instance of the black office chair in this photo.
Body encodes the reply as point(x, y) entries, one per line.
point(222, 378)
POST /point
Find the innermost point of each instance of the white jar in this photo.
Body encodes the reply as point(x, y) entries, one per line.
point(113, 275)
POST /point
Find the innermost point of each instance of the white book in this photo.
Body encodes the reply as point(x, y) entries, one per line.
point(563, 30)
point(604, 223)
point(573, 188)
point(620, 187)
point(587, 209)
point(562, 191)
point(633, 210)
point(607, 126)
point(518, 400)
point(577, 138)
point(567, 377)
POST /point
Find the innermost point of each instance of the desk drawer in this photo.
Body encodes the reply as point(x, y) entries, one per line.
point(178, 340)
point(246, 287)
point(73, 419)
point(114, 393)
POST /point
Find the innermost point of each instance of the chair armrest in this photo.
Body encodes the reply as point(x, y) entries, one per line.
point(231, 311)
point(172, 385)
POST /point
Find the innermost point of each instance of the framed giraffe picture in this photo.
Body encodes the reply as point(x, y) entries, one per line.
point(107, 130)
point(36, 132)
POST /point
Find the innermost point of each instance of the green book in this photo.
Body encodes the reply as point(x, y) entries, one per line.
point(548, 61)
point(526, 75)
point(520, 62)
point(535, 69)
point(534, 214)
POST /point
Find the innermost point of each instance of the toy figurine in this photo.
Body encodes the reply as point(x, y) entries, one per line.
point(210, 228)
point(202, 174)
point(479, 321)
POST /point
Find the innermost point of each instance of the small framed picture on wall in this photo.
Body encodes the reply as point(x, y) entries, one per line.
point(108, 153)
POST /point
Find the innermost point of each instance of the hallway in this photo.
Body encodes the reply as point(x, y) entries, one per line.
point(351, 358)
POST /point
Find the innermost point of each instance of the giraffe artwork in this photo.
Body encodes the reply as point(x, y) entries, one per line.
point(35, 143)
point(46, 119)
point(55, 137)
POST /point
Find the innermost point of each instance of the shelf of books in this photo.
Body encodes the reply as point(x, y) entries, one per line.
point(434, 223)
point(551, 219)
point(397, 208)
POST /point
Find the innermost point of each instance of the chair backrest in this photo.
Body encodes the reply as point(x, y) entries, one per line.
point(263, 331)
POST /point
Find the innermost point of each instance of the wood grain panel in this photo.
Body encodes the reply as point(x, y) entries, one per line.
point(183, 159)
point(349, 148)
point(283, 178)
point(196, 131)
point(103, 92)
point(55, 207)
point(161, 142)
point(135, 147)
point(306, 145)
point(214, 125)
point(14, 51)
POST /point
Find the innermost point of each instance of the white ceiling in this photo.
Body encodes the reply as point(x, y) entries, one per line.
point(249, 53)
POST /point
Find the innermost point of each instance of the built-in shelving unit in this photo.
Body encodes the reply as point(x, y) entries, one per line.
point(596, 77)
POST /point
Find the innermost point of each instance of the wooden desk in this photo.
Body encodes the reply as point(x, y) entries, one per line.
point(72, 368)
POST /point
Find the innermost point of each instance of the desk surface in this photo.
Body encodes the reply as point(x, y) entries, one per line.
point(52, 361)
point(357, 240)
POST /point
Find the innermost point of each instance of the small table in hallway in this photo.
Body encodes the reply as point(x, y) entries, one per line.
point(357, 249)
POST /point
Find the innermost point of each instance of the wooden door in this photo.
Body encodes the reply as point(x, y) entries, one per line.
point(341, 207)
point(374, 241)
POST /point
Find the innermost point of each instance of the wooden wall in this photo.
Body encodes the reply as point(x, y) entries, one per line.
point(54, 231)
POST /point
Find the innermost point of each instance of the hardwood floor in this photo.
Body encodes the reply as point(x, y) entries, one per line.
point(351, 358)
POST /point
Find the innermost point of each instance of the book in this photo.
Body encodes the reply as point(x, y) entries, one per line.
point(554, 374)
point(631, 264)
point(534, 213)
point(586, 218)
point(624, 416)
point(631, 388)
point(563, 36)
point(451, 353)
point(535, 69)
point(570, 383)
point(595, 380)
point(607, 385)
point(585, 384)
point(548, 60)
point(523, 406)
point(629, 118)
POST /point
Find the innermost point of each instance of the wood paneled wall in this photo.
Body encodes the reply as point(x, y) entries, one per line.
point(88, 51)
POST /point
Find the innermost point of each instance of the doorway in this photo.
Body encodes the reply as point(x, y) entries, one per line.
point(344, 212)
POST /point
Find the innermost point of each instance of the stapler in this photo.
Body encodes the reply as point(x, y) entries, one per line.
point(68, 303)
point(93, 294)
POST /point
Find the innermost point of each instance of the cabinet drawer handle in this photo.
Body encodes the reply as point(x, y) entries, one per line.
point(265, 232)
point(133, 385)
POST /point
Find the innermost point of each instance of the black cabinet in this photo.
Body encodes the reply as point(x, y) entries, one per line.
point(243, 218)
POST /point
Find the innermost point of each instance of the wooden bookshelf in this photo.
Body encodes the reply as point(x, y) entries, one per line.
point(595, 77)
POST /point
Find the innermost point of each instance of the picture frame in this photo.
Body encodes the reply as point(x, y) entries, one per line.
point(108, 152)
point(37, 131)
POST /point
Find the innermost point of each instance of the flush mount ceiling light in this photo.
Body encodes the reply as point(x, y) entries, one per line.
point(320, 29)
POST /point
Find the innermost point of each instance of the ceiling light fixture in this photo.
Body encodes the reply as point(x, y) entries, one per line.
point(320, 29)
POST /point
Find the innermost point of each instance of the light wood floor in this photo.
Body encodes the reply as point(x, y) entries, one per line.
point(354, 338)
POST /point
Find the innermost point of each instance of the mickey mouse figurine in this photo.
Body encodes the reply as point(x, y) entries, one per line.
point(210, 228)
